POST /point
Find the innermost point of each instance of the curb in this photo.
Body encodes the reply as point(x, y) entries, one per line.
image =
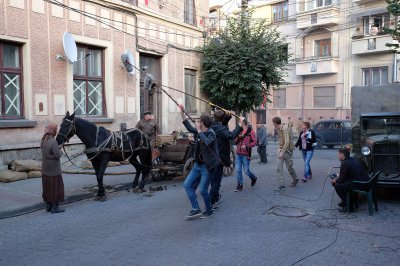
point(70, 199)
point(81, 172)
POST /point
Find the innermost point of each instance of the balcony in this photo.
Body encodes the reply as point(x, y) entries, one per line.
point(317, 66)
point(361, 2)
point(371, 44)
point(323, 16)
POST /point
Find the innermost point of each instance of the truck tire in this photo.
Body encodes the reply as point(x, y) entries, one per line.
point(330, 146)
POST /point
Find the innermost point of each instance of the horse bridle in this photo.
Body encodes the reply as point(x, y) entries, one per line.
point(70, 129)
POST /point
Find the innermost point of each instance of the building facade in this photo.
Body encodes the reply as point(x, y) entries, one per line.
point(38, 84)
point(332, 46)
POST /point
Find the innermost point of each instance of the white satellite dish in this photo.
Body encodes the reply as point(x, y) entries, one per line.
point(70, 50)
point(129, 62)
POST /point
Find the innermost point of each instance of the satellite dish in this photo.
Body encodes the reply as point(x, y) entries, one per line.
point(70, 50)
point(148, 82)
point(128, 61)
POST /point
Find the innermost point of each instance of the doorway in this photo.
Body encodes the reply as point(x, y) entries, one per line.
point(151, 100)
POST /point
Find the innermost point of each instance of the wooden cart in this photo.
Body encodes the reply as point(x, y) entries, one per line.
point(175, 157)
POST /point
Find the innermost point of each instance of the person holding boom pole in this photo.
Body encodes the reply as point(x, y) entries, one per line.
point(206, 159)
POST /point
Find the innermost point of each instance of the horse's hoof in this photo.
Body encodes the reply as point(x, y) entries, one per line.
point(97, 198)
point(103, 198)
point(139, 190)
point(134, 190)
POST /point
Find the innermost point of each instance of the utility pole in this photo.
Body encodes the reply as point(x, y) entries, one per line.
point(245, 4)
point(243, 14)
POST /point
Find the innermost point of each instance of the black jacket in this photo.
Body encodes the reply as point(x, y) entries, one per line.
point(223, 140)
point(351, 170)
point(207, 143)
point(310, 141)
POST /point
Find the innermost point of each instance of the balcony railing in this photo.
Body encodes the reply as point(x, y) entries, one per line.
point(317, 17)
point(317, 65)
point(370, 44)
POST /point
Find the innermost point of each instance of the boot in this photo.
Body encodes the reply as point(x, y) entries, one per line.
point(55, 209)
point(49, 206)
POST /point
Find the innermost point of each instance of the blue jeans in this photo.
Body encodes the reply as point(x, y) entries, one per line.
point(242, 160)
point(307, 155)
point(198, 170)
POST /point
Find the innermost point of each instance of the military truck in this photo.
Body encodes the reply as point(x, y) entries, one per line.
point(376, 130)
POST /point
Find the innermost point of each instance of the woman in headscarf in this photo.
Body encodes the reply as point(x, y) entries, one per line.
point(52, 182)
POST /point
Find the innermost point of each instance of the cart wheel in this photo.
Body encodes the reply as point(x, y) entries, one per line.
point(156, 175)
point(164, 174)
point(228, 170)
point(156, 172)
point(187, 167)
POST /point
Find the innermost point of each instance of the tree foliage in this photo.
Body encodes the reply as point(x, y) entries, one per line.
point(245, 56)
point(394, 9)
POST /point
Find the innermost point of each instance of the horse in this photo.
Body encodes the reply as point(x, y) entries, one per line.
point(102, 146)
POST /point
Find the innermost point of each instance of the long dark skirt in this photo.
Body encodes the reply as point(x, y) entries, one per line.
point(53, 188)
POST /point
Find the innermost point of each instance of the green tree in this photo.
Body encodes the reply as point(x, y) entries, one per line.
point(240, 66)
point(394, 9)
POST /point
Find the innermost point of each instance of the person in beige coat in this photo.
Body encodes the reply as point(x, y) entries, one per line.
point(52, 182)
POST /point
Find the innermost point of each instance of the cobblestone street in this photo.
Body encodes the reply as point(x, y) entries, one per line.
point(301, 226)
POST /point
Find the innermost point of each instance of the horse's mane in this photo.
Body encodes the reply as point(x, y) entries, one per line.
point(103, 133)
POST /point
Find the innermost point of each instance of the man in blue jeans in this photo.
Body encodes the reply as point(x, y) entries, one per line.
point(206, 159)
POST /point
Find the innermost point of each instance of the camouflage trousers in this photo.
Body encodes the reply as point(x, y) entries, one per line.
point(288, 160)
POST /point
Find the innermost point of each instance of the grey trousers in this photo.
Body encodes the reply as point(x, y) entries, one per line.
point(288, 160)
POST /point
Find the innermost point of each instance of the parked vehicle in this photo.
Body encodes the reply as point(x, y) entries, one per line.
point(378, 145)
point(332, 132)
point(375, 112)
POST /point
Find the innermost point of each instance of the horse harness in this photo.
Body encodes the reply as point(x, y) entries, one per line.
point(113, 139)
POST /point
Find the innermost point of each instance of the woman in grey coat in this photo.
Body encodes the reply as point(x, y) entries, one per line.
point(52, 182)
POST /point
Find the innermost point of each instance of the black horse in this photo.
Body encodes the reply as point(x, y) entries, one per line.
point(102, 146)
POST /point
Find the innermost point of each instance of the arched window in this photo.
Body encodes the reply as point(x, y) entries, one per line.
point(190, 14)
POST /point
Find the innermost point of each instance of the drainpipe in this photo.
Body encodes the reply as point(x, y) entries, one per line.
point(302, 96)
point(394, 67)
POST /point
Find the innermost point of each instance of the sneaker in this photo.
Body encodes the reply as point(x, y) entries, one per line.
point(253, 181)
point(218, 201)
point(294, 183)
point(194, 214)
point(239, 187)
point(304, 179)
point(341, 204)
point(207, 214)
point(279, 189)
point(215, 207)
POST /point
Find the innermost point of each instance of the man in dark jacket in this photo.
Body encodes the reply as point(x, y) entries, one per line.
point(206, 159)
point(350, 170)
point(262, 142)
point(224, 136)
